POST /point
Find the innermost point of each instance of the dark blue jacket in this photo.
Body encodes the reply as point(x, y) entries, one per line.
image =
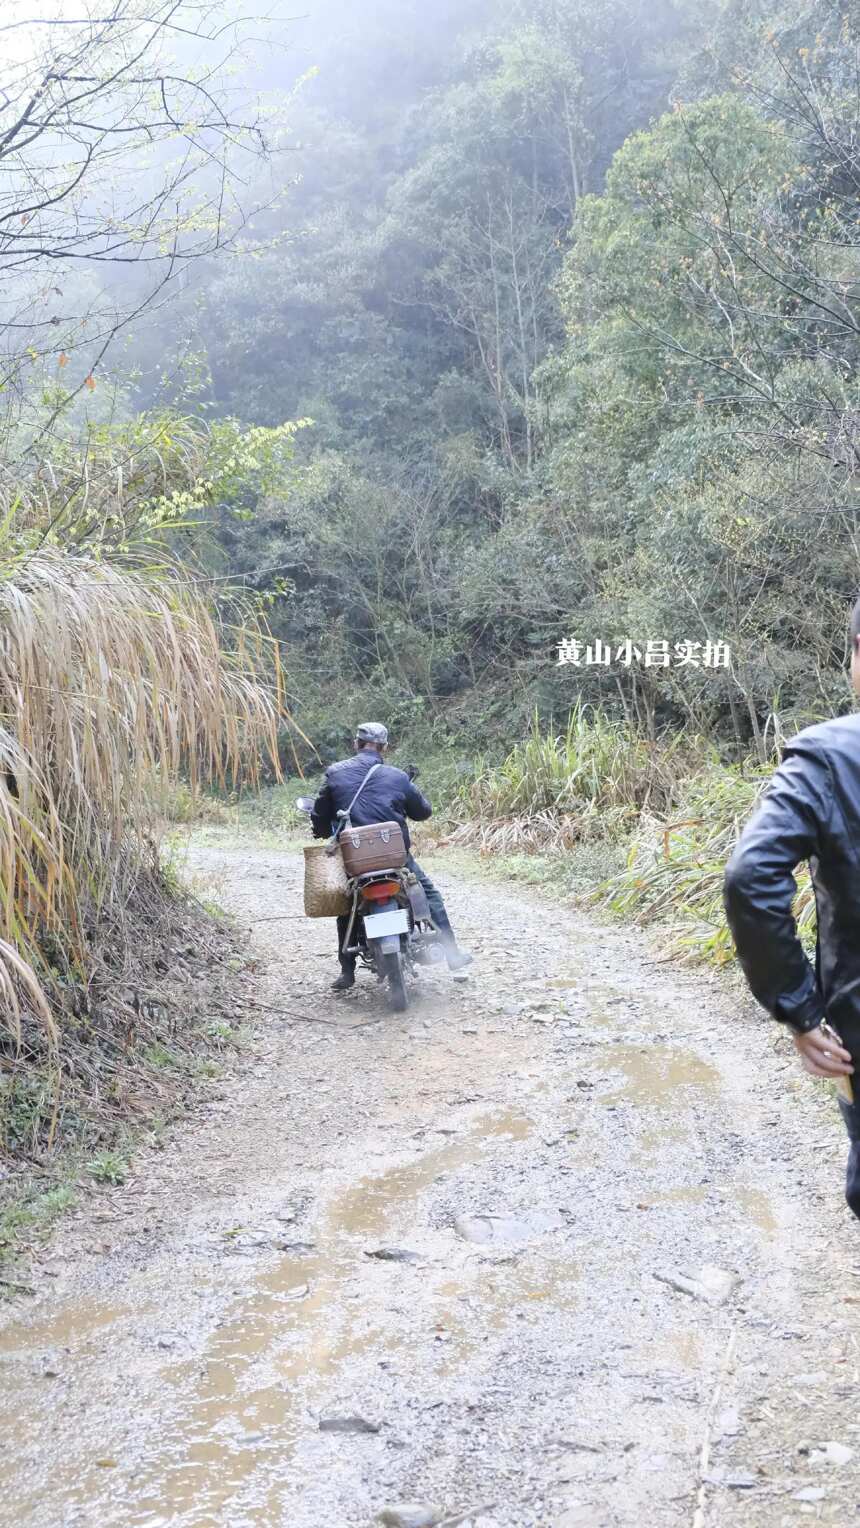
point(389, 797)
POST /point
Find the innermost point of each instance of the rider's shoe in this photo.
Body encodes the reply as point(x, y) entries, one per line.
point(344, 982)
point(458, 960)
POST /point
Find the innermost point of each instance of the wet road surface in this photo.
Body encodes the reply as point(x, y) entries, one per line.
point(561, 1246)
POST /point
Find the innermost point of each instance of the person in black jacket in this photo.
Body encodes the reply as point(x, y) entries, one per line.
point(810, 811)
point(390, 796)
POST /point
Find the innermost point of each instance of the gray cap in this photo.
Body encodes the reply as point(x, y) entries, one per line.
point(372, 732)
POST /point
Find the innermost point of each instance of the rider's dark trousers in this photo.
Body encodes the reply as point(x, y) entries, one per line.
point(434, 902)
point(851, 1116)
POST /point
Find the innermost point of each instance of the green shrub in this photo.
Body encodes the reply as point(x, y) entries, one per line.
point(109, 1167)
point(553, 790)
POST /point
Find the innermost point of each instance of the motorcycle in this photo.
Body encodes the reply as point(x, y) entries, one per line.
point(390, 930)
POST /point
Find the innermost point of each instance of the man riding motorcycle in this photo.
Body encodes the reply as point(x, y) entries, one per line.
point(390, 796)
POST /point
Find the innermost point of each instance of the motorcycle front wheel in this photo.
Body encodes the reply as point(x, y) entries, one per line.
point(394, 975)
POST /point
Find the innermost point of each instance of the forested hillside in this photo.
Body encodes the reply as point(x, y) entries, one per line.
point(569, 293)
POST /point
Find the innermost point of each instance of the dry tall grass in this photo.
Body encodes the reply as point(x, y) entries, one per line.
point(112, 682)
point(676, 865)
point(678, 809)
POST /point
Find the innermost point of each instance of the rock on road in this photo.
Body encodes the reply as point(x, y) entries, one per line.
point(563, 1246)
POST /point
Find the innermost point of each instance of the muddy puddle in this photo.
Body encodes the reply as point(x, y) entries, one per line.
point(655, 1075)
point(219, 1442)
point(77, 1327)
point(756, 1206)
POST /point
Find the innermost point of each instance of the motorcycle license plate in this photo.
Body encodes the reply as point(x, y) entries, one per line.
point(377, 925)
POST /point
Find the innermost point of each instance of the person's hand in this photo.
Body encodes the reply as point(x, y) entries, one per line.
point(822, 1055)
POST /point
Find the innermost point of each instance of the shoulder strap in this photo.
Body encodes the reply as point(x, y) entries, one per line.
point(344, 816)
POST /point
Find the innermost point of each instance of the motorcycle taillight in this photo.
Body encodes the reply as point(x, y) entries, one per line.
point(380, 891)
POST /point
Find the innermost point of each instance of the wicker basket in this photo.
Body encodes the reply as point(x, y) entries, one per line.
point(326, 894)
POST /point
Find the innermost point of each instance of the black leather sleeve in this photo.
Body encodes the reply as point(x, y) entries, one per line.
point(760, 887)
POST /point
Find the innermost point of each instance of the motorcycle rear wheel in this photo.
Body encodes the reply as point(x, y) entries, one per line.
point(395, 976)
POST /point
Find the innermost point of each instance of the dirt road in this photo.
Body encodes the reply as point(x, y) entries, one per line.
point(451, 1258)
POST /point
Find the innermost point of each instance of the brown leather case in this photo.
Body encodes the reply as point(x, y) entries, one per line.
point(379, 846)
